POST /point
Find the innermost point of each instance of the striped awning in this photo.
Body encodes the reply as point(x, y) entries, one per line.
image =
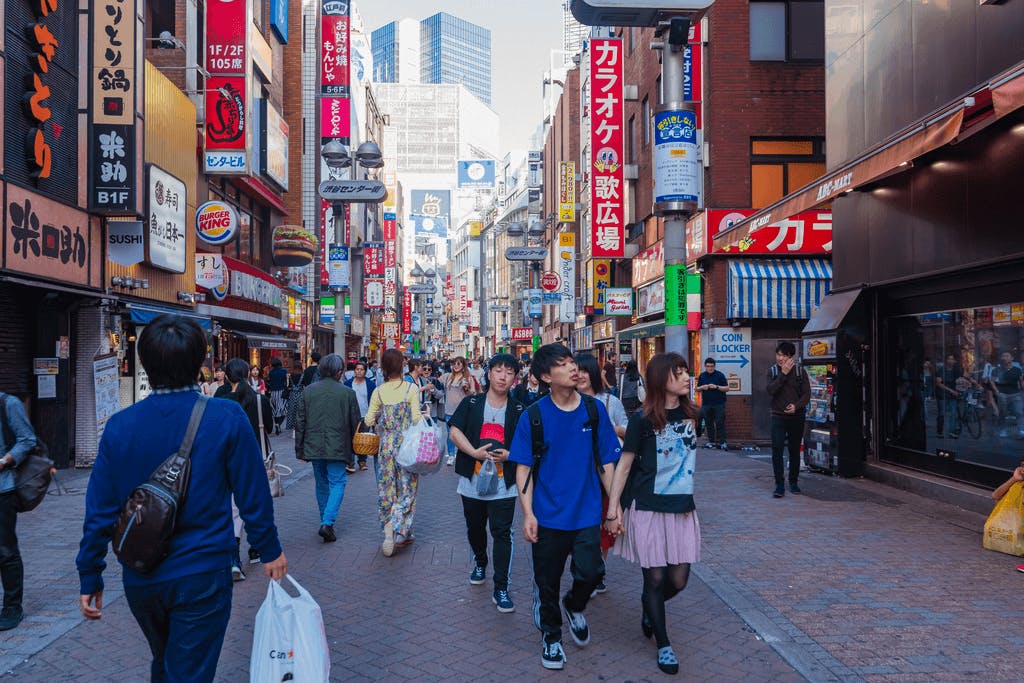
point(787, 289)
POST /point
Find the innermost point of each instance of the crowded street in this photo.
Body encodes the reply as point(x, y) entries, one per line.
point(841, 584)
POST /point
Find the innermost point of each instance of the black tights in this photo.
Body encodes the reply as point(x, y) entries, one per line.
point(661, 584)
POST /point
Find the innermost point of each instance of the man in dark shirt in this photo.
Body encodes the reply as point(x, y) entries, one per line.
point(1007, 381)
point(790, 391)
point(713, 387)
point(311, 374)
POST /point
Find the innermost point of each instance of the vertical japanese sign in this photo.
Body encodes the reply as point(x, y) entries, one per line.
point(601, 280)
point(567, 277)
point(406, 311)
point(227, 103)
point(373, 259)
point(566, 192)
point(606, 140)
point(335, 108)
point(113, 156)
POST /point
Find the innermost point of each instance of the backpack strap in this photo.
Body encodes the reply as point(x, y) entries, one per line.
point(5, 428)
point(538, 446)
point(593, 420)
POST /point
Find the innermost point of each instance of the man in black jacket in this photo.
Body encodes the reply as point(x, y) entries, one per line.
point(482, 428)
point(790, 391)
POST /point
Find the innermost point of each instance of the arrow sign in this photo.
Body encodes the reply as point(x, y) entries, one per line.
point(353, 191)
point(526, 253)
point(743, 361)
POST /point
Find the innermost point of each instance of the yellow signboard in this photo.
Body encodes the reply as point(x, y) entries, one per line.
point(566, 192)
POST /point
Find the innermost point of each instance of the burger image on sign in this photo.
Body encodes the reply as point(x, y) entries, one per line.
point(216, 223)
point(293, 246)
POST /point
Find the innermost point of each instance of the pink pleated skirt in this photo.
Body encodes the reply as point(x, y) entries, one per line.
point(658, 539)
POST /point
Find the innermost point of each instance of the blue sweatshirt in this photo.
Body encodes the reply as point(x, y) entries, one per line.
point(226, 459)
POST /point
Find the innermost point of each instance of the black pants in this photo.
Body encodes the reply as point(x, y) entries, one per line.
point(550, 552)
point(714, 423)
point(789, 428)
point(12, 572)
point(499, 515)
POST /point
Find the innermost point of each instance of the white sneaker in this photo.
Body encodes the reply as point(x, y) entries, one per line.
point(449, 460)
point(388, 547)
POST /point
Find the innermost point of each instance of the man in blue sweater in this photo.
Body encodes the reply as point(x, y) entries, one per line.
point(184, 604)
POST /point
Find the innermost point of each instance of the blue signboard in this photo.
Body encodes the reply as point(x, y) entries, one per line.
point(431, 211)
point(476, 173)
point(279, 19)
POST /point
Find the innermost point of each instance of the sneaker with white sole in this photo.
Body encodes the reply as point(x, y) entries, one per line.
point(577, 625)
point(553, 656)
point(236, 573)
point(388, 546)
point(477, 576)
point(503, 602)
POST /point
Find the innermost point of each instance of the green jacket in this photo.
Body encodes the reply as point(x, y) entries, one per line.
point(326, 421)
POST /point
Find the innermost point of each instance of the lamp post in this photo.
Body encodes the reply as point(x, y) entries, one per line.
point(337, 158)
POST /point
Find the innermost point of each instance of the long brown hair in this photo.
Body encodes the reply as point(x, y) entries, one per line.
point(657, 375)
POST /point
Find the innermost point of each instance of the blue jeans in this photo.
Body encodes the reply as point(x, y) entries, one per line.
point(452, 450)
point(184, 621)
point(330, 478)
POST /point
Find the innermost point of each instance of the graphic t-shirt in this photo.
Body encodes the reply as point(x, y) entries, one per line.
point(492, 430)
point(566, 489)
point(661, 479)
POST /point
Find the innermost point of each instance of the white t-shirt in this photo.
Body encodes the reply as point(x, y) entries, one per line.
point(493, 428)
point(362, 397)
point(616, 411)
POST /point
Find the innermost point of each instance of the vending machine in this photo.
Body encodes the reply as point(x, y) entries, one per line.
point(835, 356)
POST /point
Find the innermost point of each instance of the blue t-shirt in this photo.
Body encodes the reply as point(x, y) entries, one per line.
point(566, 490)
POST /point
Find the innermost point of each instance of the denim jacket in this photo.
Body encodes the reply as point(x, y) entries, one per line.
point(24, 438)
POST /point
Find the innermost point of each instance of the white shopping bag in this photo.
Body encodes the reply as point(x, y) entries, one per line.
point(289, 642)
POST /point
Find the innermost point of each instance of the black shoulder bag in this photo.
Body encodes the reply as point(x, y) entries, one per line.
point(539, 447)
point(145, 527)
point(32, 477)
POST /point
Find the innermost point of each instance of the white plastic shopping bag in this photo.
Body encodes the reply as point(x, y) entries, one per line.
point(289, 642)
point(420, 452)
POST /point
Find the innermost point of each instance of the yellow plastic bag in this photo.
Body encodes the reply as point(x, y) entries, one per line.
point(1004, 528)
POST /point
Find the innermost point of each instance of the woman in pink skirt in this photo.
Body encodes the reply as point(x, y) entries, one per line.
point(654, 513)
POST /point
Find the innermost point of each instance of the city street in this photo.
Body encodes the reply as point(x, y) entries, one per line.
point(850, 581)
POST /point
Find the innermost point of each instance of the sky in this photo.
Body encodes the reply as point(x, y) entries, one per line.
point(522, 34)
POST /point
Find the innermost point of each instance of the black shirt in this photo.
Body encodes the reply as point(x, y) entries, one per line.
point(661, 478)
point(713, 397)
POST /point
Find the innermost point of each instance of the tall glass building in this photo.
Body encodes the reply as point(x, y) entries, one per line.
point(455, 51)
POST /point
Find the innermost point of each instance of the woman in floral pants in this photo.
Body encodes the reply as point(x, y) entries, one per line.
point(397, 405)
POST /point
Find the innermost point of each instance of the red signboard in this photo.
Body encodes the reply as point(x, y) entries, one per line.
point(226, 104)
point(806, 233)
point(522, 334)
point(649, 264)
point(334, 50)
point(225, 37)
point(549, 281)
point(373, 259)
point(390, 243)
point(335, 117)
point(406, 310)
point(606, 120)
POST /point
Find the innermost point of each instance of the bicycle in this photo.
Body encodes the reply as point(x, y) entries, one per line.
point(969, 411)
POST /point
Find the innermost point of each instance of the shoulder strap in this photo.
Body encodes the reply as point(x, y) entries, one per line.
point(193, 426)
point(537, 443)
point(593, 420)
point(775, 371)
point(5, 429)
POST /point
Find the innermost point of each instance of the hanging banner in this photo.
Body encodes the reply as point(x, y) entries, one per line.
point(113, 156)
point(677, 168)
point(390, 241)
point(606, 145)
point(337, 259)
point(335, 106)
point(567, 273)
point(227, 100)
point(600, 277)
point(476, 174)
point(566, 192)
point(373, 259)
point(406, 311)
point(125, 242)
point(373, 295)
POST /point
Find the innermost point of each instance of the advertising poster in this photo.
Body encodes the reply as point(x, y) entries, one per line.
point(618, 301)
point(731, 349)
point(165, 234)
point(476, 174)
point(108, 392)
point(567, 191)
point(606, 144)
point(567, 277)
point(677, 167)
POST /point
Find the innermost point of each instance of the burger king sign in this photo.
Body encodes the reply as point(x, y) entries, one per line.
point(216, 223)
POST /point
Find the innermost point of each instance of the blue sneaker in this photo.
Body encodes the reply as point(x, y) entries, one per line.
point(476, 577)
point(503, 601)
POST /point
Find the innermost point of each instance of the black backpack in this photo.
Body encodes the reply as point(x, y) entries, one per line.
point(537, 437)
point(145, 527)
point(32, 477)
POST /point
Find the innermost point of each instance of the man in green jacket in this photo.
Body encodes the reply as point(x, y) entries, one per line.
point(325, 423)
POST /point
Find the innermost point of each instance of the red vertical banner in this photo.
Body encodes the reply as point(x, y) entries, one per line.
point(607, 206)
point(406, 311)
point(227, 102)
point(390, 241)
point(335, 107)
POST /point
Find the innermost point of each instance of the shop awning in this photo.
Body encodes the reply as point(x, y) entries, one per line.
point(642, 331)
point(1008, 91)
point(830, 314)
point(269, 341)
point(144, 314)
point(776, 288)
point(896, 152)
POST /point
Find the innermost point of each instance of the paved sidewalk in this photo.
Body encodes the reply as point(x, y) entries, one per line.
point(851, 581)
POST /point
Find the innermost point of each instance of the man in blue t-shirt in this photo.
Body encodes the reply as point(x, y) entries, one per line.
point(561, 497)
point(713, 387)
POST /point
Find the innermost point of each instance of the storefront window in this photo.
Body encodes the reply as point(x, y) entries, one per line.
point(958, 389)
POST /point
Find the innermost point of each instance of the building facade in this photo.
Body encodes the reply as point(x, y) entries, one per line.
point(453, 50)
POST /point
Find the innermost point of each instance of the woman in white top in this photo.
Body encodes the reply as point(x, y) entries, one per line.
point(458, 384)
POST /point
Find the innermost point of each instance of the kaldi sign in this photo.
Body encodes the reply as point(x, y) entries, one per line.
point(522, 334)
point(607, 180)
point(806, 233)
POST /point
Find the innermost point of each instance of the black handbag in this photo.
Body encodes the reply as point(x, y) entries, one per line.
point(32, 477)
point(145, 527)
